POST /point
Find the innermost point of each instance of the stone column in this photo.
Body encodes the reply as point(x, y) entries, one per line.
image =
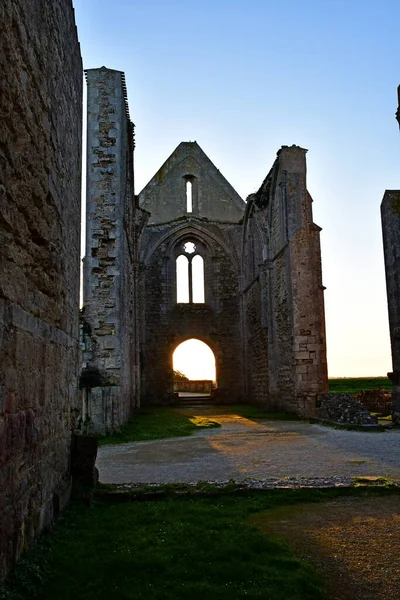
point(390, 213)
point(109, 372)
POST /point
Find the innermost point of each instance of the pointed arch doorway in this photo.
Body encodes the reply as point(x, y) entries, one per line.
point(194, 368)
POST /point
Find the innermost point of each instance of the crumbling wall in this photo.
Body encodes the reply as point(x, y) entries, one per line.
point(283, 292)
point(40, 173)
point(390, 213)
point(109, 381)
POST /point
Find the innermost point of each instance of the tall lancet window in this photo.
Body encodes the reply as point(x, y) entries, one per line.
point(190, 276)
point(182, 279)
point(189, 196)
point(198, 279)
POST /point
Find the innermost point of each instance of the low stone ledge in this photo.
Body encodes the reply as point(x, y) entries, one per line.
point(375, 427)
point(139, 492)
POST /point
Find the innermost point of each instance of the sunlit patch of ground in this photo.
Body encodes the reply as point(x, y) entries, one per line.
point(203, 422)
point(354, 542)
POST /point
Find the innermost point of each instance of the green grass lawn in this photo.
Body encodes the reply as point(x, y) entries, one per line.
point(353, 385)
point(173, 549)
point(155, 423)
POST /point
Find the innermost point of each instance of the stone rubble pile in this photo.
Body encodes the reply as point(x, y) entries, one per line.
point(344, 408)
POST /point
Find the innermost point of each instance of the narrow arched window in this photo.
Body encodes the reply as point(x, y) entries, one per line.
point(198, 279)
point(182, 279)
point(189, 196)
point(190, 275)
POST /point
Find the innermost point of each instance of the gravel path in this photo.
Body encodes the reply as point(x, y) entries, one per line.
point(261, 450)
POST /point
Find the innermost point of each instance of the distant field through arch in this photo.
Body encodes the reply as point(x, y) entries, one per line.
point(195, 359)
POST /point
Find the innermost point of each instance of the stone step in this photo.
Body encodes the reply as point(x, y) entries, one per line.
point(196, 402)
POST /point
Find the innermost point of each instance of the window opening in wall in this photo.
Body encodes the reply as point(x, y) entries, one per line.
point(189, 203)
point(194, 368)
point(198, 279)
point(189, 247)
point(182, 279)
point(190, 275)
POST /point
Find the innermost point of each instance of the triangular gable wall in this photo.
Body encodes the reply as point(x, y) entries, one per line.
point(213, 197)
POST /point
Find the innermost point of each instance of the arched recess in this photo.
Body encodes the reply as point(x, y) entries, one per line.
point(178, 233)
point(194, 367)
point(215, 320)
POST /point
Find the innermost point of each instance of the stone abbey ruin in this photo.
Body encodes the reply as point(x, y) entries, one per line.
point(261, 308)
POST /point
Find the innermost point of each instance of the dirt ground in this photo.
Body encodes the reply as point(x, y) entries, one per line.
point(353, 542)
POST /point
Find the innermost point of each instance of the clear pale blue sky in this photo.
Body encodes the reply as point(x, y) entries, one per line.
point(242, 78)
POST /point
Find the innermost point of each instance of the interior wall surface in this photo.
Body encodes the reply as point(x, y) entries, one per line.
point(40, 189)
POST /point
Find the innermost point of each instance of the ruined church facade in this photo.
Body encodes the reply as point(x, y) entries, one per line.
point(261, 308)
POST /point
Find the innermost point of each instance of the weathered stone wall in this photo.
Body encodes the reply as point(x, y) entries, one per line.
point(110, 379)
point(390, 213)
point(194, 385)
point(256, 343)
point(377, 401)
point(216, 322)
point(214, 227)
point(263, 315)
point(283, 292)
point(40, 172)
point(213, 197)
